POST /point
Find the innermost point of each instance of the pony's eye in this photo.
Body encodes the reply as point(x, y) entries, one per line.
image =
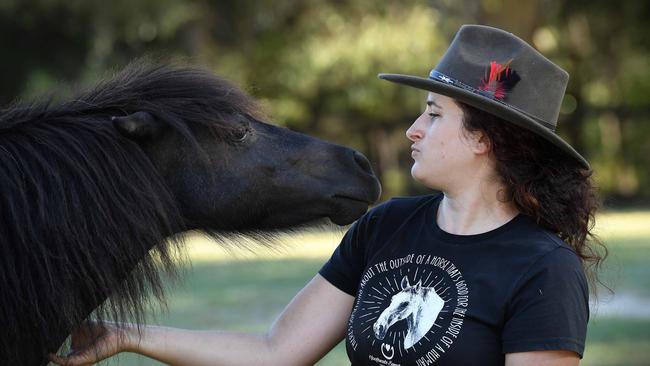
point(403, 305)
point(240, 134)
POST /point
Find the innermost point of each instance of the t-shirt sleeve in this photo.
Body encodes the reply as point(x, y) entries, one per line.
point(346, 264)
point(549, 308)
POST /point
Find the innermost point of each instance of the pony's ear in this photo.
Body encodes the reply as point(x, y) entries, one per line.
point(418, 285)
point(137, 126)
point(405, 283)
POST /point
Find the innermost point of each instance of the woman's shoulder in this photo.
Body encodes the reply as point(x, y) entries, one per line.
point(541, 242)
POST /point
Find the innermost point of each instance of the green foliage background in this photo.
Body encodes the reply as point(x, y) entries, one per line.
point(313, 64)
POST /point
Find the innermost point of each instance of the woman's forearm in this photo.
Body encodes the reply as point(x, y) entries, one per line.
point(194, 348)
point(309, 327)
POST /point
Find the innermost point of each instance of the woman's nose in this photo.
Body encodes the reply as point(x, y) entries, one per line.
point(413, 133)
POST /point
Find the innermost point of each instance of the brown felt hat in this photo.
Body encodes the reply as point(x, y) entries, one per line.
point(497, 72)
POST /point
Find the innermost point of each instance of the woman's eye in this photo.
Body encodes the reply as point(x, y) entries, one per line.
point(433, 115)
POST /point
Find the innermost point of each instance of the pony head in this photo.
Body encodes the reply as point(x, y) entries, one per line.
point(95, 190)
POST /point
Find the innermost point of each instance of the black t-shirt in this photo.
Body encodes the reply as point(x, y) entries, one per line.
point(428, 297)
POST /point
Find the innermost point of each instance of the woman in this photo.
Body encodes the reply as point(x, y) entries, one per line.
point(492, 271)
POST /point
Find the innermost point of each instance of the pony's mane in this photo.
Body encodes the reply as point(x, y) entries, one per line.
point(81, 205)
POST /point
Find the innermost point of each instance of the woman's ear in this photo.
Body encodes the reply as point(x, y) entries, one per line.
point(480, 142)
point(138, 126)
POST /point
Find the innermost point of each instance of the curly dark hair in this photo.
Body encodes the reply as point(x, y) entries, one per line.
point(545, 184)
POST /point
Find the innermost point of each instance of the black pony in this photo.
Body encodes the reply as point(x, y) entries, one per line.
point(96, 189)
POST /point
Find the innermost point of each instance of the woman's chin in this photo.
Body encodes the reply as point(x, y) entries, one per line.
point(424, 178)
point(417, 174)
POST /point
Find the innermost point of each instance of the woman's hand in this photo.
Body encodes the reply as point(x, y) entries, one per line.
point(93, 342)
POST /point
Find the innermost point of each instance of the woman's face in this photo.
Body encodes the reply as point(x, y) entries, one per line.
point(444, 153)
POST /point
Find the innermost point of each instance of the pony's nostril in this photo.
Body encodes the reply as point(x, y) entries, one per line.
point(362, 161)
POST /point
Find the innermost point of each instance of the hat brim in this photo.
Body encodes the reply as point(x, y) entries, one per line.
point(486, 104)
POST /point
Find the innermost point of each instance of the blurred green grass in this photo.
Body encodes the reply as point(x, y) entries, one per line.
point(241, 291)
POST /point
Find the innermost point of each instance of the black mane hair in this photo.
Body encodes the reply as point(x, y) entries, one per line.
point(85, 216)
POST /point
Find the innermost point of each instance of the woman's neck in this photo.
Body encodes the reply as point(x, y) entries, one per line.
point(474, 210)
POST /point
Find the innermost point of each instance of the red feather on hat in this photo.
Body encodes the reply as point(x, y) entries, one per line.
point(499, 79)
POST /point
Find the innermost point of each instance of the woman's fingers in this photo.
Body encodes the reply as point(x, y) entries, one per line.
point(86, 356)
point(77, 359)
point(91, 342)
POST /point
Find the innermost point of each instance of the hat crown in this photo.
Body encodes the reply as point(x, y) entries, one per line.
point(541, 84)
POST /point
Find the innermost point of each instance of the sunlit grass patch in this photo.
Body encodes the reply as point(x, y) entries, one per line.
point(619, 225)
point(627, 237)
point(627, 229)
point(307, 245)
